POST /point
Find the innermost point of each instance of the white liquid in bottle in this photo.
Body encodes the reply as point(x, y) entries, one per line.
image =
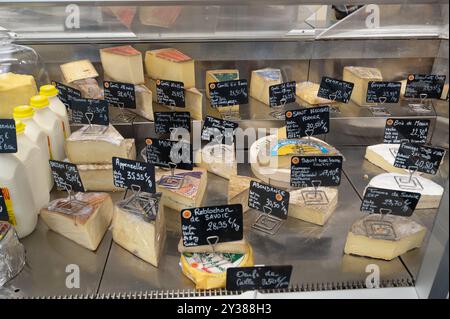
point(58, 107)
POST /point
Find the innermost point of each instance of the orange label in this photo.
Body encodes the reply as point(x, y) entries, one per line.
point(278, 197)
point(187, 214)
point(295, 160)
point(49, 144)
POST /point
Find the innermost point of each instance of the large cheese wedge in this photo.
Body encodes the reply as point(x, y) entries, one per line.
point(213, 76)
point(170, 64)
point(383, 156)
point(15, 90)
point(385, 238)
point(159, 16)
point(219, 159)
point(140, 235)
point(261, 81)
point(232, 247)
point(123, 63)
point(430, 192)
point(313, 206)
point(361, 76)
point(82, 75)
point(185, 189)
point(98, 178)
point(208, 271)
point(238, 190)
point(86, 226)
point(12, 253)
point(85, 148)
point(307, 92)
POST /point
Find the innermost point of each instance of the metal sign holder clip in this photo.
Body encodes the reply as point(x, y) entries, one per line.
point(423, 106)
point(380, 110)
point(141, 203)
point(126, 117)
point(92, 129)
point(380, 228)
point(212, 242)
point(316, 197)
point(267, 223)
point(71, 205)
point(172, 181)
point(277, 113)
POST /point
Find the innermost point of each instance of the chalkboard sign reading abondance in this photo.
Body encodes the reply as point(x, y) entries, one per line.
point(335, 90)
point(428, 86)
point(423, 158)
point(131, 174)
point(211, 225)
point(398, 130)
point(169, 154)
point(218, 130)
point(383, 92)
point(170, 93)
point(165, 122)
point(281, 94)
point(379, 200)
point(307, 122)
point(89, 111)
point(307, 171)
point(66, 176)
point(8, 137)
point(268, 199)
point(119, 94)
point(258, 277)
point(228, 93)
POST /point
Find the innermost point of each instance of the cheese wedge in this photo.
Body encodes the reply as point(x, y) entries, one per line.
point(384, 239)
point(15, 90)
point(81, 75)
point(159, 16)
point(361, 77)
point(383, 156)
point(313, 206)
point(98, 178)
point(213, 76)
point(12, 253)
point(260, 82)
point(219, 159)
point(84, 148)
point(232, 247)
point(123, 63)
point(141, 236)
point(430, 192)
point(172, 65)
point(183, 190)
point(87, 226)
point(238, 190)
point(307, 92)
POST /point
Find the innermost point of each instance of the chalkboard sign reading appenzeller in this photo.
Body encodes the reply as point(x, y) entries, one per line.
point(211, 225)
point(66, 176)
point(398, 130)
point(307, 122)
point(66, 94)
point(258, 277)
point(228, 93)
point(119, 94)
point(307, 171)
point(335, 90)
point(281, 94)
point(169, 154)
point(426, 159)
point(383, 92)
point(165, 122)
point(170, 93)
point(428, 86)
point(8, 138)
point(221, 131)
point(379, 200)
point(268, 199)
point(89, 111)
point(131, 174)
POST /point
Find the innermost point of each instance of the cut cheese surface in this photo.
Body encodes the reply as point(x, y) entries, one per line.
point(219, 159)
point(307, 91)
point(385, 238)
point(98, 178)
point(15, 90)
point(238, 190)
point(170, 64)
point(232, 247)
point(86, 226)
point(361, 76)
point(260, 82)
point(213, 76)
point(144, 102)
point(430, 192)
point(383, 156)
point(78, 70)
point(123, 64)
point(313, 206)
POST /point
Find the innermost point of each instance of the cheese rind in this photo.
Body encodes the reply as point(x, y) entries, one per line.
point(307, 91)
point(311, 206)
point(219, 159)
point(15, 90)
point(97, 178)
point(361, 76)
point(78, 70)
point(238, 190)
point(123, 63)
point(382, 155)
point(222, 75)
point(260, 82)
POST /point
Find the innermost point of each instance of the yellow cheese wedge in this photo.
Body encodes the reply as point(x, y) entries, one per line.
point(219, 76)
point(98, 177)
point(123, 63)
point(238, 190)
point(361, 77)
point(313, 206)
point(261, 81)
point(78, 70)
point(15, 90)
point(307, 91)
point(159, 16)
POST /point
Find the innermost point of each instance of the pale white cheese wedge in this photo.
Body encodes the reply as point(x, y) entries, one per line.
point(123, 63)
point(260, 82)
point(307, 91)
point(238, 190)
point(98, 178)
point(361, 76)
point(383, 156)
point(217, 159)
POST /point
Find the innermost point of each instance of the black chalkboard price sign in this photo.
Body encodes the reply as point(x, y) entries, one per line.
point(66, 176)
point(307, 122)
point(218, 130)
point(211, 225)
point(90, 111)
point(268, 199)
point(380, 200)
point(398, 130)
point(66, 94)
point(227, 93)
point(426, 159)
point(170, 93)
point(119, 94)
point(335, 90)
point(131, 174)
point(258, 277)
point(383, 92)
point(425, 86)
point(165, 122)
point(8, 137)
point(281, 94)
point(311, 170)
point(169, 154)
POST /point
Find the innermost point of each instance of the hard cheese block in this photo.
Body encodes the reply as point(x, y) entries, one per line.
point(430, 192)
point(85, 148)
point(159, 16)
point(82, 75)
point(123, 63)
point(219, 159)
point(307, 91)
point(384, 239)
point(86, 226)
point(15, 90)
point(142, 237)
point(213, 76)
point(361, 77)
point(238, 190)
point(261, 81)
point(383, 156)
point(185, 189)
point(98, 178)
point(232, 247)
point(12, 253)
point(208, 271)
point(170, 64)
point(313, 206)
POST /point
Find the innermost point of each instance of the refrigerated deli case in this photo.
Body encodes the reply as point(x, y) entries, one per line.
point(301, 41)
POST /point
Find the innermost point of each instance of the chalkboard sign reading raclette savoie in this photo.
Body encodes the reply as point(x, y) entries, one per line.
point(8, 136)
point(66, 176)
point(119, 94)
point(307, 171)
point(131, 174)
point(228, 93)
point(219, 130)
point(307, 122)
point(258, 277)
point(428, 86)
point(169, 154)
point(170, 93)
point(165, 122)
point(398, 130)
point(66, 94)
point(379, 200)
point(335, 90)
point(268, 199)
point(89, 111)
point(211, 225)
point(281, 94)
point(426, 159)
point(383, 92)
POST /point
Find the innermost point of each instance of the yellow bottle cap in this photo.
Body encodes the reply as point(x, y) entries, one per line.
point(39, 102)
point(48, 90)
point(23, 112)
point(20, 127)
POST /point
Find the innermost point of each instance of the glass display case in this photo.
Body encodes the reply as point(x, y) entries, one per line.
point(306, 41)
